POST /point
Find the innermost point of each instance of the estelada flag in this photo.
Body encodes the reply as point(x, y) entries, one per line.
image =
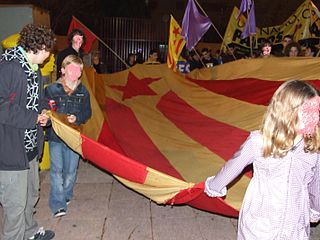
point(175, 44)
point(162, 134)
point(89, 35)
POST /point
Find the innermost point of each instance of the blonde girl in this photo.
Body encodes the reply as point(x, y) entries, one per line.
point(283, 196)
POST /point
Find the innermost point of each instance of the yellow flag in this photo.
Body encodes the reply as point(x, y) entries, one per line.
point(175, 45)
point(303, 24)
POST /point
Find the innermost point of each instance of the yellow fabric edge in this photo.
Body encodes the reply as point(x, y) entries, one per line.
point(272, 69)
point(158, 186)
point(69, 135)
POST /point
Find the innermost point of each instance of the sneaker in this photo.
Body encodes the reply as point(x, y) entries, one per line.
point(42, 235)
point(61, 212)
point(68, 201)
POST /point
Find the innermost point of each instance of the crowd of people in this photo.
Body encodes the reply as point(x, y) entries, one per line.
point(288, 48)
point(206, 58)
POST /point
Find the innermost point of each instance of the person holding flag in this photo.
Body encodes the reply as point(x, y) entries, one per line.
point(22, 116)
point(70, 97)
point(283, 196)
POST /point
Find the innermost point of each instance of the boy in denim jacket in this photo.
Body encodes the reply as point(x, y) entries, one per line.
point(70, 97)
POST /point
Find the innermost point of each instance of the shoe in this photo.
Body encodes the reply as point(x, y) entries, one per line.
point(68, 201)
point(42, 235)
point(61, 212)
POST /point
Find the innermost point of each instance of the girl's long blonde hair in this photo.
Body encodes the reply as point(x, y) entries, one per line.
point(281, 124)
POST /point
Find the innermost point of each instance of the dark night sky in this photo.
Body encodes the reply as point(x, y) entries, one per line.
point(268, 12)
point(88, 10)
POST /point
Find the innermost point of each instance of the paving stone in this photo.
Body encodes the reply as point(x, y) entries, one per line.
point(127, 228)
point(176, 228)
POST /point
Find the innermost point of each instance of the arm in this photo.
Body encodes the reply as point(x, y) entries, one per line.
point(216, 186)
point(314, 194)
point(44, 107)
point(11, 112)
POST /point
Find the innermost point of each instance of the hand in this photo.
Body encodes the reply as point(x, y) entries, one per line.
point(213, 193)
point(44, 111)
point(71, 118)
point(314, 221)
point(42, 119)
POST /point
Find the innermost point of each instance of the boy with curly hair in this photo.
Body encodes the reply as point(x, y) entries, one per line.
point(22, 116)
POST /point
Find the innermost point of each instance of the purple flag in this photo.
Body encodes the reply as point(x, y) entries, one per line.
point(194, 25)
point(250, 27)
point(245, 5)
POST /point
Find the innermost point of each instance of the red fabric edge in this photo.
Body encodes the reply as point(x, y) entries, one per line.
point(112, 161)
point(196, 197)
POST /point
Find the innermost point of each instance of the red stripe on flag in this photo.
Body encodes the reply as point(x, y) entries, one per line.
point(247, 89)
point(106, 138)
point(178, 46)
point(219, 137)
point(315, 83)
point(216, 205)
point(170, 59)
point(196, 197)
point(112, 161)
point(134, 141)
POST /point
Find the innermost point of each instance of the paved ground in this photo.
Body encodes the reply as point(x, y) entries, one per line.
point(106, 210)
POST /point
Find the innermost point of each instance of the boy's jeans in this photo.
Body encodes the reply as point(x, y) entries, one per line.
point(63, 173)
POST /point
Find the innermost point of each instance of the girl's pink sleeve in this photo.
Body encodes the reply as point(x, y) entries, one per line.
point(232, 168)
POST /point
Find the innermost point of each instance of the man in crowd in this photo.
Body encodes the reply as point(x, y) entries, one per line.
point(153, 58)
point(76, 40)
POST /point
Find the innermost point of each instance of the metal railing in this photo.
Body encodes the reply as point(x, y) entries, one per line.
point(127, 35)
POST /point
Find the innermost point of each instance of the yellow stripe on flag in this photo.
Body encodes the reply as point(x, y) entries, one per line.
point(158, 186)
point(270, 69)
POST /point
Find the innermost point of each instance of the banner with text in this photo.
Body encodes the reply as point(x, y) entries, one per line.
point(303, 25)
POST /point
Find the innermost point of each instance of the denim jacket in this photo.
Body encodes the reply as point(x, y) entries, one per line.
point(78, 104)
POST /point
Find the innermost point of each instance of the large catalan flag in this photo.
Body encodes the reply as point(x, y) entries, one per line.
point(162, 133)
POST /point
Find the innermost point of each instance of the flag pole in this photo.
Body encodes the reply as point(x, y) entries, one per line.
point(106, 45)
point(250, 37)
point(215, 29)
